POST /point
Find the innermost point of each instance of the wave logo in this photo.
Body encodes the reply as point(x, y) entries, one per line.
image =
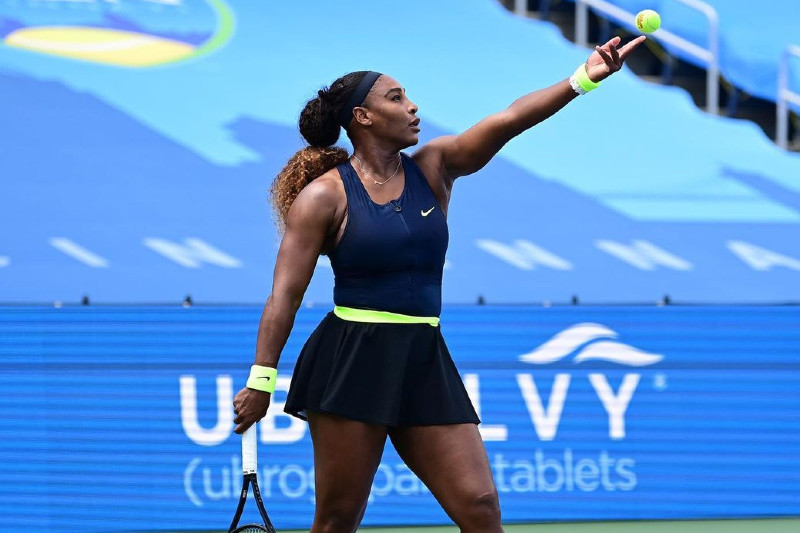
point(124, 33)
point(592, 342)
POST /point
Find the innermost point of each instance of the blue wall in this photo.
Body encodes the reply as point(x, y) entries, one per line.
point(110, 415)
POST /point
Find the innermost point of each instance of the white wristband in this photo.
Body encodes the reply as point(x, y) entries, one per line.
point(576, 86)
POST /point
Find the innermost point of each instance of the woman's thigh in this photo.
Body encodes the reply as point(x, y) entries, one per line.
point(346, 455)
point(452, 462)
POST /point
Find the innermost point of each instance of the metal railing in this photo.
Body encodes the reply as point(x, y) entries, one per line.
point(709, 56)
point(785, 96)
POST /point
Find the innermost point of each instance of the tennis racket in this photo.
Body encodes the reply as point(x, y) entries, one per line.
point(249, 468)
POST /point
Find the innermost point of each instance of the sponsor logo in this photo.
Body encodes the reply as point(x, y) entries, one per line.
point(123, 33)
point(428, 212)
point(592, 342)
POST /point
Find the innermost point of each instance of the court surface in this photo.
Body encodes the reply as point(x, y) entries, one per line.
point(699, 526)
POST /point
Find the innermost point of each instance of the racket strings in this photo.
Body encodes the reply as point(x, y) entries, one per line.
point(251, 528)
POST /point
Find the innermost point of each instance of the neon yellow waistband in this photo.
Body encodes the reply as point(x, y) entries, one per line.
point(382, 317)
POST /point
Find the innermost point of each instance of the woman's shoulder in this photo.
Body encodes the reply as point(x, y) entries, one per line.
point(429, 157)
point(327, 189)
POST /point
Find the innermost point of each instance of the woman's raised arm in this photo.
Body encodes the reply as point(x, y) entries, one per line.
point(459, 155)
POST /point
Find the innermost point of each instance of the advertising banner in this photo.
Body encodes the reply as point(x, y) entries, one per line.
point(120, 418)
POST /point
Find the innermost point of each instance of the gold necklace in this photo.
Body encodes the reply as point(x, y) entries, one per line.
point(376, 182)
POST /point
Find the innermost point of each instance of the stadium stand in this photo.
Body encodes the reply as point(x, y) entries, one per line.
point(148, 183)
point(752, 37)
point(755, 49)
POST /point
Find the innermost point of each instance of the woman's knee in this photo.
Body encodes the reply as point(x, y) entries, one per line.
point(480, 512)
point(337, 519)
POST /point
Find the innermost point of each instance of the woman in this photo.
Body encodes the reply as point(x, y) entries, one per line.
point(377, 366)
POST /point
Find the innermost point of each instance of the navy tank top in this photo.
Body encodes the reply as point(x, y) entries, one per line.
point(391, 256)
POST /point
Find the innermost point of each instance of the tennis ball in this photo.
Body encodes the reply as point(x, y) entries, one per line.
point(648, 21)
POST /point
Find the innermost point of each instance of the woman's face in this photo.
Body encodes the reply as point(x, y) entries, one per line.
point(392, 114)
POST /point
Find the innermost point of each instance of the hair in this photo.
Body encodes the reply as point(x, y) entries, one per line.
point(319, 126)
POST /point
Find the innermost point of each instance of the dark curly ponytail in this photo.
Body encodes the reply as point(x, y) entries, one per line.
point(320, 128)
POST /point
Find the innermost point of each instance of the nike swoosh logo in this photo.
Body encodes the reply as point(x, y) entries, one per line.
point(265, 377)
point(428, 212)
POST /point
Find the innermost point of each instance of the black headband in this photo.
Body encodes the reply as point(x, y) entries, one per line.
point(357, 98)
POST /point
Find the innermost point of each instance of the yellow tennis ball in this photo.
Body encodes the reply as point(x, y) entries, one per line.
point(648, 21)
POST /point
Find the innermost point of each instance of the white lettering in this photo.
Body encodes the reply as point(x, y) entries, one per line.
point(615, 405)
point(759, 258)
point(523, 254)
point(643, 255)
point(544, 421)
point(542, 467)
point(78, 252)
point(523, 479)
point(187, 482)
point(625, 471)
point(189, 415)
point(489, 432)
point(225, 489)
point(534, 471)
point(586, 473)
point(192, 253)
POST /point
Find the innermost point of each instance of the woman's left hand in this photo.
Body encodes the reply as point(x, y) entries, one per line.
point(607, 59)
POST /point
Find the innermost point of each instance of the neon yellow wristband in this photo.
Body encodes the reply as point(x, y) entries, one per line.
point(262, 378)
point(582, 77)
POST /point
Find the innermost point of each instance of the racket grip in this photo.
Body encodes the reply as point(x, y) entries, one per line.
point(249, 458)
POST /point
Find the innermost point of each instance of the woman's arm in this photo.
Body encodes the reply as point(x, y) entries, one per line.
point(308, 226)
point(459, 155)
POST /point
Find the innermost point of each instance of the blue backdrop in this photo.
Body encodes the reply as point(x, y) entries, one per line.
point(588, 414)
point(145, 183)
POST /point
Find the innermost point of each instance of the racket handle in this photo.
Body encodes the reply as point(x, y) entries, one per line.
point(249, 458)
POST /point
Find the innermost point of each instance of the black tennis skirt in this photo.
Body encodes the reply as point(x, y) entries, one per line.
point(387, 374)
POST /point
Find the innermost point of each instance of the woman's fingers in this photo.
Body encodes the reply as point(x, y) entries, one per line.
point(607, 59)
point(250, 406)
point(615, 55)
point(244, 421)
point(628, 48)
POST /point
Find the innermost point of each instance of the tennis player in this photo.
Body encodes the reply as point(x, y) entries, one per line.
point(377, 365)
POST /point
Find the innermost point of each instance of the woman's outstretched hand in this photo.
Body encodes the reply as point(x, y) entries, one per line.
point(607, 59)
